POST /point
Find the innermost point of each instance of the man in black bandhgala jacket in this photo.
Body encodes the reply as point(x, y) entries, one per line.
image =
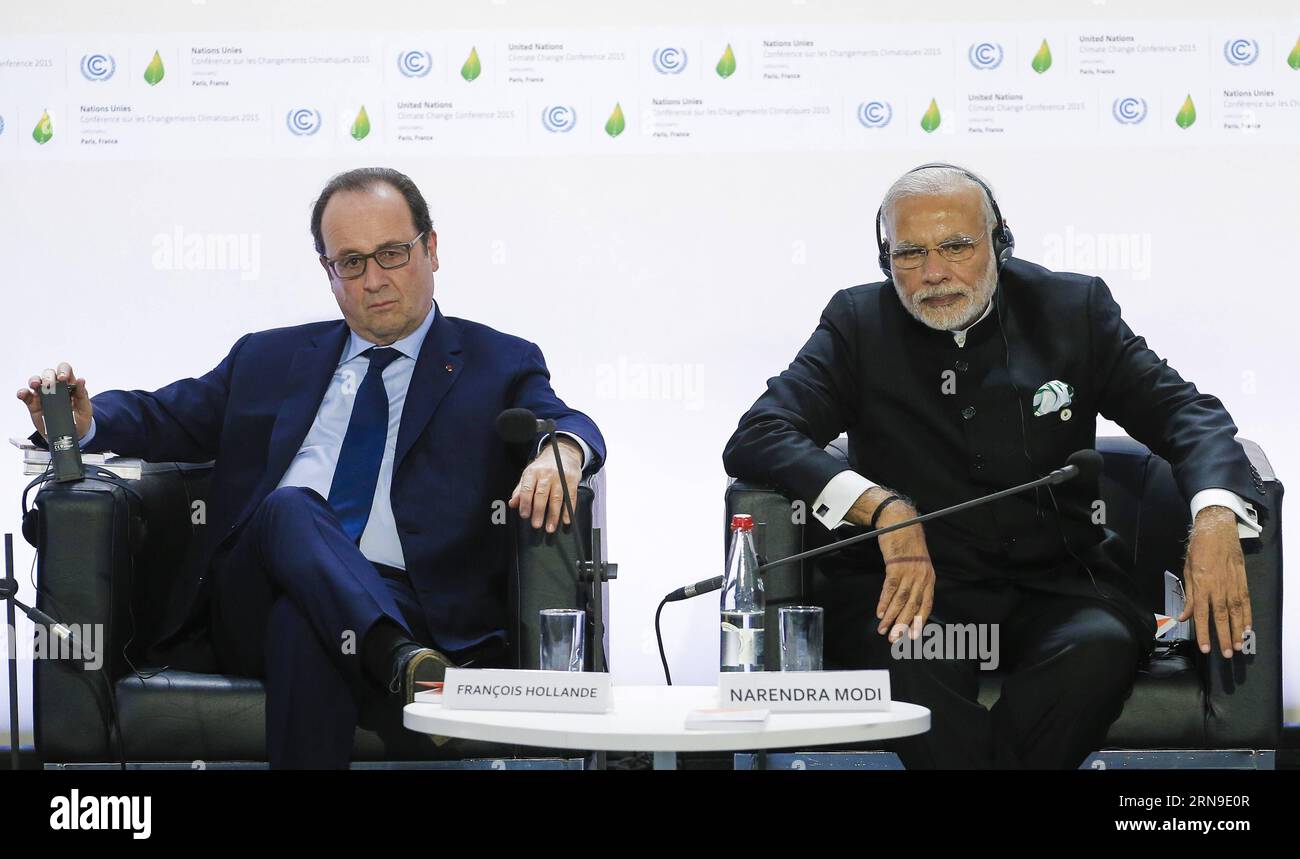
point(966, 372)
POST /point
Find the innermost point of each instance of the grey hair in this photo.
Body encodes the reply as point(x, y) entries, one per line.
point(931, 181)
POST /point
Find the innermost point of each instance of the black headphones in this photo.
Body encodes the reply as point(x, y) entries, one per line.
point(135, 523)
point(1004, 244)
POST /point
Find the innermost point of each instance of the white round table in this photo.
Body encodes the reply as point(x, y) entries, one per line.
point(653, 719)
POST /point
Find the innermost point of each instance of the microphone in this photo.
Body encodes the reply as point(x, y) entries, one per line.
point(61, 433)
point(1085, 464)
point(520, 426)
point(9, 593)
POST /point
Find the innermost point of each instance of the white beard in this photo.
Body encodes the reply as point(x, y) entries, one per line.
point(959, 315)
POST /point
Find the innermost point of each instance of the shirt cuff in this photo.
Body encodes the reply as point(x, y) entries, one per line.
point(586, 451)
point(1247, 519)
point(90, 434)
point(838, 498)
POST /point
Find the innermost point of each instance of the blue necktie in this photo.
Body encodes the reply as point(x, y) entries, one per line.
point(352, 491)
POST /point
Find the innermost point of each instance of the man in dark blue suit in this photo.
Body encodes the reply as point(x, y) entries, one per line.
point(355, 543)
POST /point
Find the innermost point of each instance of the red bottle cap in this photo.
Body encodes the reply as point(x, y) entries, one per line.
point(742, 522)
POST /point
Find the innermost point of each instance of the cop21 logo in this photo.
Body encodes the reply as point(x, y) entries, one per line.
point(669, 61)
point(1129, 110)
point(414, 64)
point(303, 121)
point(875, 114)
point(559, 118)
point(98, 67)
point(985, 56)
point(1241, 52)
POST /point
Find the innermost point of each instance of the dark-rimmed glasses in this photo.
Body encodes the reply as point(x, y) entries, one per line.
point(352, 266)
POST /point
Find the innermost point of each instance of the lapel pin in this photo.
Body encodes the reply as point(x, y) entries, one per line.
point(450, 368)
point(1065, 414)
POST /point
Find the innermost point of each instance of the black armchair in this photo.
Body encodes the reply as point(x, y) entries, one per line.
point(95, 566)
point(1182, 699)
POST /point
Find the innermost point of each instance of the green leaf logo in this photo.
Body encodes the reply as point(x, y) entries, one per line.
point(727, 63)
point(361, 125)
point(1186, 114)
point(1293, 59)
point(615, 124)
point(44, 129)
point(154, 71)
point(1043, 59)
point(930, 121)
point(472, 68)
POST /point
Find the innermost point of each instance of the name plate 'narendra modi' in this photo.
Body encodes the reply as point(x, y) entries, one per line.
point(804, 691)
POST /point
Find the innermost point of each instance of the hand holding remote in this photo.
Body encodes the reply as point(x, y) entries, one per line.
point(46, 381)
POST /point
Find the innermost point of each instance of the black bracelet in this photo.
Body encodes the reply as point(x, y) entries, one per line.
point(875, 517)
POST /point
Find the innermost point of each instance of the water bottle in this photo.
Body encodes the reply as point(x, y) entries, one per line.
point(742, 601)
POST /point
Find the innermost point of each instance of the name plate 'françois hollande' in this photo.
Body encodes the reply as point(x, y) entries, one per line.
point(541, 691)
point(804, 691)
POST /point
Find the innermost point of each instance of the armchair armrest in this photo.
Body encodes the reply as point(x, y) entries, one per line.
point(1242, 714)
point(82, 554)
point(779, 531)
point(544, 573)
point(92, 572)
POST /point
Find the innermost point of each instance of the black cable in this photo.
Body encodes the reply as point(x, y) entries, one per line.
point(660, 638)
point(115, 724)
point(1024, 446)
point(1020, 406)
point(582, 552)
point(114, 728)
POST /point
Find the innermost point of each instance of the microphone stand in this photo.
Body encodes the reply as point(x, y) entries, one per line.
point(9, 593)
point(592, 574)
point(1060, 475)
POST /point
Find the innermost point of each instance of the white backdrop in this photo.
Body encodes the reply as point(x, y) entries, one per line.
point(666, 269)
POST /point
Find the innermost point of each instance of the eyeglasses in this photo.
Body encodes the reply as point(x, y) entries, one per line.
point(954, 250)
point(352, 266)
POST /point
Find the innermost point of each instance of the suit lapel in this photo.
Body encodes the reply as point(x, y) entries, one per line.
point(436, 370)
point(310, 371)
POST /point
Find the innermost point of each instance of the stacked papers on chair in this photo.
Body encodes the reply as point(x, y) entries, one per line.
point(37, 461)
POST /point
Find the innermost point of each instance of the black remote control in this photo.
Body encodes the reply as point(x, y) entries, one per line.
point(61, 433)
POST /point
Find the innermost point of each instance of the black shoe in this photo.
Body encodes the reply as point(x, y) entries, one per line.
point(417, 667)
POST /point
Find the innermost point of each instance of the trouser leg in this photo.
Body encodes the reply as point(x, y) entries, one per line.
point(960, 735)
point(293, 600)
point(311, 712)
point(1073, 665)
